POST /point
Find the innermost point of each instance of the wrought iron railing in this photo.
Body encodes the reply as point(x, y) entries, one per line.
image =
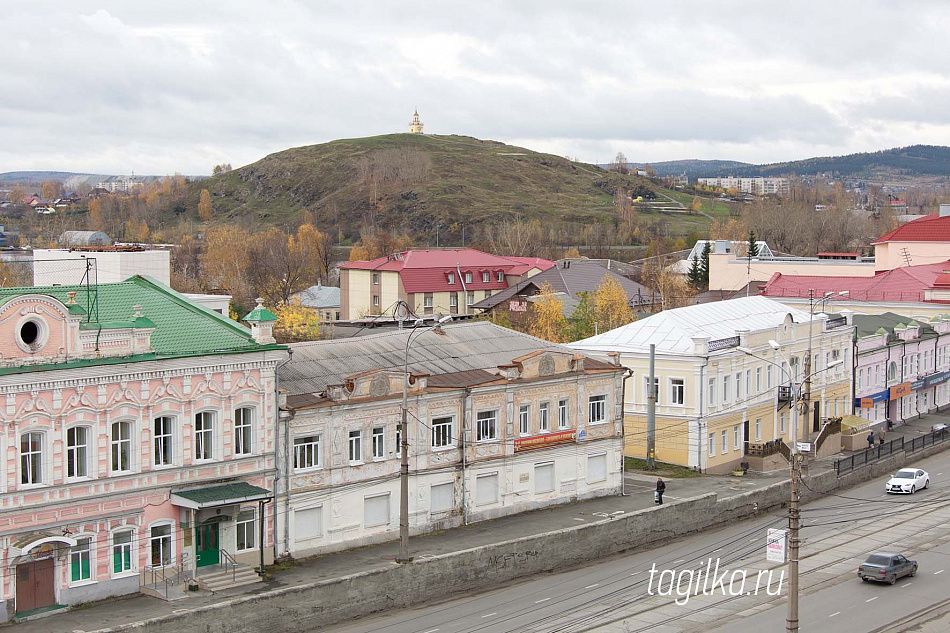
point(723, 343)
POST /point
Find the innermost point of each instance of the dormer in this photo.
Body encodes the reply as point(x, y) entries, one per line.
point(908, 332)
point(377, 383)
point(940, 323)
point(541, 364)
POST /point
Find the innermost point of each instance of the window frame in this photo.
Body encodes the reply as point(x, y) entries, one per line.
point(83, 554)
point(242, 525)
point(486, 277)
point(244, 433)
point(378, 441)
point(204, 438)
point(563, 414)
point(152, 539)
point(71, 458)
point(114, 444)
point(165, 438)
point(445, 433)
point(544, 418)
point(354, 438)
point(122, 551)
point(596, 401)
point(524, 420)
point(681, 384)
point(468, 277)
point(308, 451)
point(40, 479)
point(486, 426)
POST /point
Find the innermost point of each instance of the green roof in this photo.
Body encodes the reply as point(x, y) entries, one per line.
point(227, 494)
point(182, 327)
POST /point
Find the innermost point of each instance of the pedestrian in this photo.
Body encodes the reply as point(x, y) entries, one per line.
point(880, 436)
point(660, 488)
point(871, 439)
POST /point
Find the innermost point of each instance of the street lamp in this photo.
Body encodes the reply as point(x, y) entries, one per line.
point(791, 616)
point(812, 304)
point(417, 328)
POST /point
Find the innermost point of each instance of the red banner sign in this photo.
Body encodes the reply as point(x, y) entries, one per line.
point(544, 440)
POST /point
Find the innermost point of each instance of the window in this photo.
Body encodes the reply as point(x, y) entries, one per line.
point(204, 435)
point(738, 385)
point(543, 418)
point(427, 301)
point(597, 409)
point(122, 552)
point(725, 388)
point(543, 478)
point(758, 429)
point(79, 558)
point(735, 437)
point(468, 278)
point(500, 276)
point(451, 278)
point(487, 293)
point(162, 441)
point(656, 388)
point(242, 430)
point(563, 421)
point(31, 458)
point(121, 447)
point(160, 545)
point(781, 422)
point(453, 300)
point(748, 382)
point(375, 279)
point(597, 467)
point(376, 510)
point(442, 432)
point(768, 376)
point(375, 301)
point(245, 538)
point(356, 447)
point(306, 452)
point(486, 277)
point(758, 380)
point(712, 444)
point(379, 445)
point(486, 489)
point(524, 419)
point(471, 298)
point(308, 523)
point(711, 392)
point(677, 391)
point(441, 497)
point(77, 451)
point(487, 426)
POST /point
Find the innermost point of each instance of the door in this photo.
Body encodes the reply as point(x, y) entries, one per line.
point(745, 437)
point(816, 425)
point(34, 585)
point(207, 545)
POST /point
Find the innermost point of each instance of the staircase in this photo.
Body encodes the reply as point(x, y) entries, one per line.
point(219, 578)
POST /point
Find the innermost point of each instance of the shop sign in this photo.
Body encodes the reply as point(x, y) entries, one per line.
point(543, 441)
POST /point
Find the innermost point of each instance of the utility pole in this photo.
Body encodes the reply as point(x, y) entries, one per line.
point(651, 412)
point(791, 616)
point(806, 392)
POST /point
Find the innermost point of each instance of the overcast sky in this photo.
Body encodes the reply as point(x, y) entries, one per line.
point(162, 86)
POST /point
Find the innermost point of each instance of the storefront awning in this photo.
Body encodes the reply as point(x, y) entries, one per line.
point(217, 496)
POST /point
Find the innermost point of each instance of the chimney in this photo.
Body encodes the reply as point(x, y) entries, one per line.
point(261, 321)
point(944, 210)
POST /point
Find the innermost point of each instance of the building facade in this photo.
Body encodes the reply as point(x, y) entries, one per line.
point(721, 387)
point(446, 281)
point(138, 430)
point(760, 186)
point(902, 367)
point(490, 438)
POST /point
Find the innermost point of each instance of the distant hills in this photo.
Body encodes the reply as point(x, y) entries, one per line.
point(899, 162)
point(424, 185)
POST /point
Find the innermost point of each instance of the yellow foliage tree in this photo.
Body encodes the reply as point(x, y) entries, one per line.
point(697, 205)
point(204, 205)
point(135, 230)
point(296, 323)
point(732, 229)
point(612, 305)
point(547, 319)
point(572, 253)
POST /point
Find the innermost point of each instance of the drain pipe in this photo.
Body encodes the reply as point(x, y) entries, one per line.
point(285, 475)
point(623, 429)
point(466, 399)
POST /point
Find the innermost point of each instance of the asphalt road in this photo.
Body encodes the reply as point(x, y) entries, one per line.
point(615, 595)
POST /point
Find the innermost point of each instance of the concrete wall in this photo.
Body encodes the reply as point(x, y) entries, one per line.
point(323, 603)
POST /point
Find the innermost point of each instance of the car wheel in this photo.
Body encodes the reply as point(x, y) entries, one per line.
point(926, 483)
point(893, 581)
point(913, 571)
point(913, 489)
point(865, 579)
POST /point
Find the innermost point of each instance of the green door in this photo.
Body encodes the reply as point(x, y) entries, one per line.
point(207, 544)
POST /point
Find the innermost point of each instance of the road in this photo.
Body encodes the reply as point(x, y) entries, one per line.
point(614, 595)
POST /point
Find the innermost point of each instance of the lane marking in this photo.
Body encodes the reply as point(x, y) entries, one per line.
point(576, 519)
point(834, 614)
point(717, 549)
point(907, 584)
point(541, 600)
point(636, 573)
point(938, 572)
point(682, 560)
point(431, 631)
point(938, 474)
point(488, 615)
point(592, 586)
point(871, 599)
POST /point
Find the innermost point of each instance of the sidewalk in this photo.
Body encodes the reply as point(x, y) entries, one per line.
point(639, 488)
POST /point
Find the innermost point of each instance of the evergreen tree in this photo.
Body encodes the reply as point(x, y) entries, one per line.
point(704, 264)
point(753, 250)
point(695, 275)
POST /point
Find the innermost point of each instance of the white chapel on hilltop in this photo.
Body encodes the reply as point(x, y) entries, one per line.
point(416, 126)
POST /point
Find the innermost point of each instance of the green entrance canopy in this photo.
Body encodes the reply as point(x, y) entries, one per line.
point(216, 496)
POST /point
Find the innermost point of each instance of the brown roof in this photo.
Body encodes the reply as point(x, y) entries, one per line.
point(461, 379)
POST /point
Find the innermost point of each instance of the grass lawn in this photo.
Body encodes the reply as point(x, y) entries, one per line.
point(672, 471)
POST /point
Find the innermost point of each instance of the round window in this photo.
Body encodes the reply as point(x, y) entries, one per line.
point(31, 334)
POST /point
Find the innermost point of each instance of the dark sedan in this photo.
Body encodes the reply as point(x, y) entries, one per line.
point(886, 567)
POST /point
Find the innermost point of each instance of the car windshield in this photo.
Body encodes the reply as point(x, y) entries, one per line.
point(904, 475)
point(877, 559)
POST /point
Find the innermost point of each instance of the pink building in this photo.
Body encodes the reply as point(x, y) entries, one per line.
point(138, 434)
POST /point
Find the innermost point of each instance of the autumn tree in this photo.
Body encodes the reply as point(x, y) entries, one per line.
point(378, 245)
point(52, 189)
point(612, 305)
point(696, 205)
point(620, 164)
point(135, 230)
point(283, 265)
point(296, 323)
point(204, 205)
point(583, 321)
point(672, 289)
point(547, 319)
point(17, 194)
point(225, 260)
point(572, 253)
point(221, 169)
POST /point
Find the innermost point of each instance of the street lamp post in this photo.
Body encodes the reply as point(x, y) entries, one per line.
point(794, 516)
point(404, 440)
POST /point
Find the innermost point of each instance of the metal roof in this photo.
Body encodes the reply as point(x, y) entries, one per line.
point(672, 331)
point(463, 347)
point(319, 296)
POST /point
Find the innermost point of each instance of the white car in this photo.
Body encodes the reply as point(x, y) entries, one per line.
point(907, 481)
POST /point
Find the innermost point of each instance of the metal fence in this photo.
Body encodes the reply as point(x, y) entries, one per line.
point(857, 460)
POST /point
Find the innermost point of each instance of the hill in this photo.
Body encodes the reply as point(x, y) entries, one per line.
point(908, 162)
point(36, 176)
point(420, 184)
point(693, 166)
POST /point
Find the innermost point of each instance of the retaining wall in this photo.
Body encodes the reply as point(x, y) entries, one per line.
point(306, 607)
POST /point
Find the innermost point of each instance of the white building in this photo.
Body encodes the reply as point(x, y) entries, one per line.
point(759, 186)
point(499, 423)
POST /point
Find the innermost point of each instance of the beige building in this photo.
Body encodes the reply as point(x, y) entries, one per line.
point(499, 423)
point(416, 126)
point(715, 401)
point(433, 281)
